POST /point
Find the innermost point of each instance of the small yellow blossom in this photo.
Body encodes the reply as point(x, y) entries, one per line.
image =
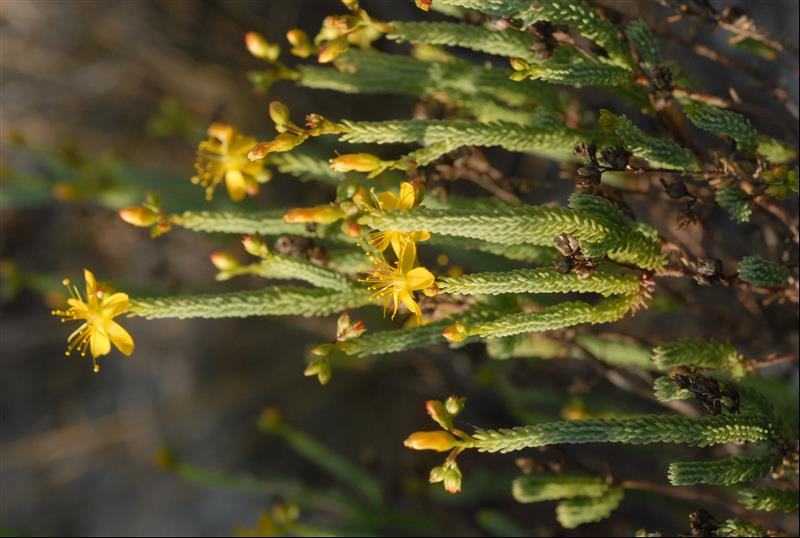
point(301, 44)
point(399, 281)
point(261, 48)
point(281, 143)
point(388, 201)
point(224, 156)
point(440, 441)
point(321, 214)
point(99, 330)
point(358, 162)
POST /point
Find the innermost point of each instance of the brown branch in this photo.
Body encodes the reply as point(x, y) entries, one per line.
point(688, 494)
point(754, 364)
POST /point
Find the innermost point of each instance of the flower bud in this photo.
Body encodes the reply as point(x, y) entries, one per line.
point(160, 228)
point(279, 113)
point(437, 474)
point(261, 48)
point(323, 350)
point(321, 214)
point(518, 76)
point(358, 162)
point(439, 414)
point(431, 291)
point(320, 367)
point(440, 441)
point(455, 404)
point(224, 261)
point(457, 332)
point(518, 64)
point(340, 23)
point(282, 142)
point(141, 216)
point(301, 44)
point(255, 246)
point(332, 49)
point(452, 480)
point(320, 125)
point(351, 228)
point(424, 5)
point(345, 330)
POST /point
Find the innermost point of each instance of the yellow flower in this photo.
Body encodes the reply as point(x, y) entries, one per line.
point(321, 214)
point(388, 201)
point(224, 156)
point(440, 441)
point(99, 330)
point(399, 281)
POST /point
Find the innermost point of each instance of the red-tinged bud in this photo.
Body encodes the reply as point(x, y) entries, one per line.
point(224, 261)
point(351, 228)
point(431, 291)
point(439, 414)
point(518, 64)
point(452, 480)
point(362, 199)
point(282, 142)
point(320, 125)
point(320, 214)
point(160, 228)
point(139, 215)
point(456, 333)
point(455, 404)
point(301, 44)
point(254, 245)
point(270, 419)
point(440, 441)
point(332, 49)
point(279, 113)
point(340, 23)
point(261, 48)
point(345, 330)
point(424, 5)
point(356, 162)
point(342, 323)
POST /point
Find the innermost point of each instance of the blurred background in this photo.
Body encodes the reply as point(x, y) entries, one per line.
point(104, 101)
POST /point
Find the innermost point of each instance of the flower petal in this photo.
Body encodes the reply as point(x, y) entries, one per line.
point(398, 239)
point(387, 201)
point(407, 257)
point(114, 305)
point(81, 308)
point(407, 196)
point(409, 302)
point(99, 343)
point(120, 337)
point(91, 284)
point(237, 186)
point(419, 278)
